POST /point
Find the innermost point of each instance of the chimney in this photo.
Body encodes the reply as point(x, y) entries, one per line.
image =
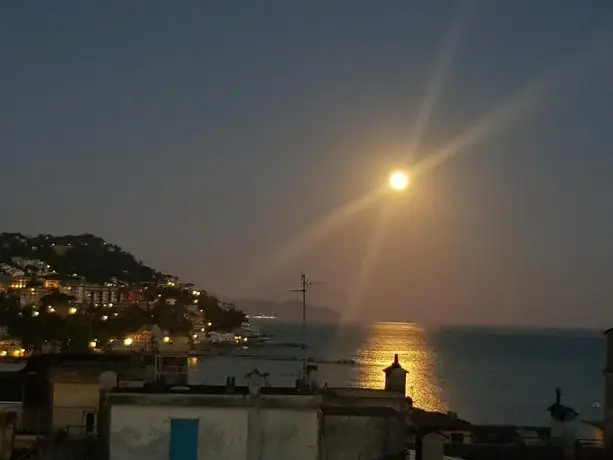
point(395, 377)
point(254, 381)
point(558, 395)
point(312, 376)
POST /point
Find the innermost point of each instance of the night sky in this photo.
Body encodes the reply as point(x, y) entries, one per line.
point(204, 137)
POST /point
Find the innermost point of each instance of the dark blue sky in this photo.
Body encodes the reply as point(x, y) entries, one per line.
point(202, 136)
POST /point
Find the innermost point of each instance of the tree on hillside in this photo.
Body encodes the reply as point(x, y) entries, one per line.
point(31, 326)
point(34, 282)
point(9, 309)
point(86, 255)
point(56, 298)
point(222, 319)
point(128, 321)
point(173, 318)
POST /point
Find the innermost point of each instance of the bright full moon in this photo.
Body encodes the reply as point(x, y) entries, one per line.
point(399, 180)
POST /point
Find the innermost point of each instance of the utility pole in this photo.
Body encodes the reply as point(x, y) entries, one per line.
point(305, 284)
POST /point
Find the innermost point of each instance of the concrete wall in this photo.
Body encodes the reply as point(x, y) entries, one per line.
point(289, 433)
point(589, 434)
point(347, 437)
point(359, 397)
point(71, 400)
point(225, 433)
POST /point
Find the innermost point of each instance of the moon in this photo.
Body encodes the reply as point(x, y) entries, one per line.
point(399, 180)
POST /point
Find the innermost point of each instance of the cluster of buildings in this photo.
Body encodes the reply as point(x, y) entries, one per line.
point(21, 266)
point(134, 406)
point(30, 286)
point(33, 279)
point(110, 299)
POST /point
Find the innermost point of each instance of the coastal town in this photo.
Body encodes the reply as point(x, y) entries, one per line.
point(79, 293)
point(270, 230)
point(93, 341)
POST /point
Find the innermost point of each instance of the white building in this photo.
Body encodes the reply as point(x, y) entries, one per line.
point(253, 422)
point(11, 270)
point(41, 267)
point(213, 426)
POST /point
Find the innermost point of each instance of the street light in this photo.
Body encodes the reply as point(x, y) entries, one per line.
point(399, 180)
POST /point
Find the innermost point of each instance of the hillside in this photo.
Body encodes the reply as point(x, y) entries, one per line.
point(86, 256)
point(289, 310)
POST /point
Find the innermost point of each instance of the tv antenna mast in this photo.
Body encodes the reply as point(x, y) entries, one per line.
point(306, 284)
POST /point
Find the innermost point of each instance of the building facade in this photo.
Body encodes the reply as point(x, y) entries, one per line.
point(256, 421)
point(213, 426)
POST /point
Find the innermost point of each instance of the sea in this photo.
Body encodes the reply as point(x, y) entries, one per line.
point(487, 375)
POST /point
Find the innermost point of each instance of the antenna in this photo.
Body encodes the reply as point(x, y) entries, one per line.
point(305, 285)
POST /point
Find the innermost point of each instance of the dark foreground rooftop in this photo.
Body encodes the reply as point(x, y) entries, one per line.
point(156, 388)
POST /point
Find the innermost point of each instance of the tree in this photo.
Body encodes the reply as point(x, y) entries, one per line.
point(33, 281)
point(173, 318)
point(9, 310)
point(56, 298)
point(31, 326)
point(129, 320)
point(221, 318)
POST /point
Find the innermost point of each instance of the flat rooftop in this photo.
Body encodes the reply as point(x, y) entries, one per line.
point(238, 396)
point(157, 389)
point(212, 396)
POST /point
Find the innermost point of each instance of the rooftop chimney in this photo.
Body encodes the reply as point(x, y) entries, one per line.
point(395, 377)
point(312, 376)
point(255, 380)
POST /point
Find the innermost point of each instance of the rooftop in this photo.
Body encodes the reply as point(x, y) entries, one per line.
point(439, 421)
point(212, 396)
point(40, 362)
point(154, 388)
point(362, 411)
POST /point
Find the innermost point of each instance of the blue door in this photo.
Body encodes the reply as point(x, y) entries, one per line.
point(184, 439)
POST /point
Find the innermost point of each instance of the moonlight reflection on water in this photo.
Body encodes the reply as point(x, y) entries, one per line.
point(487, 375)
point(416, 356)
